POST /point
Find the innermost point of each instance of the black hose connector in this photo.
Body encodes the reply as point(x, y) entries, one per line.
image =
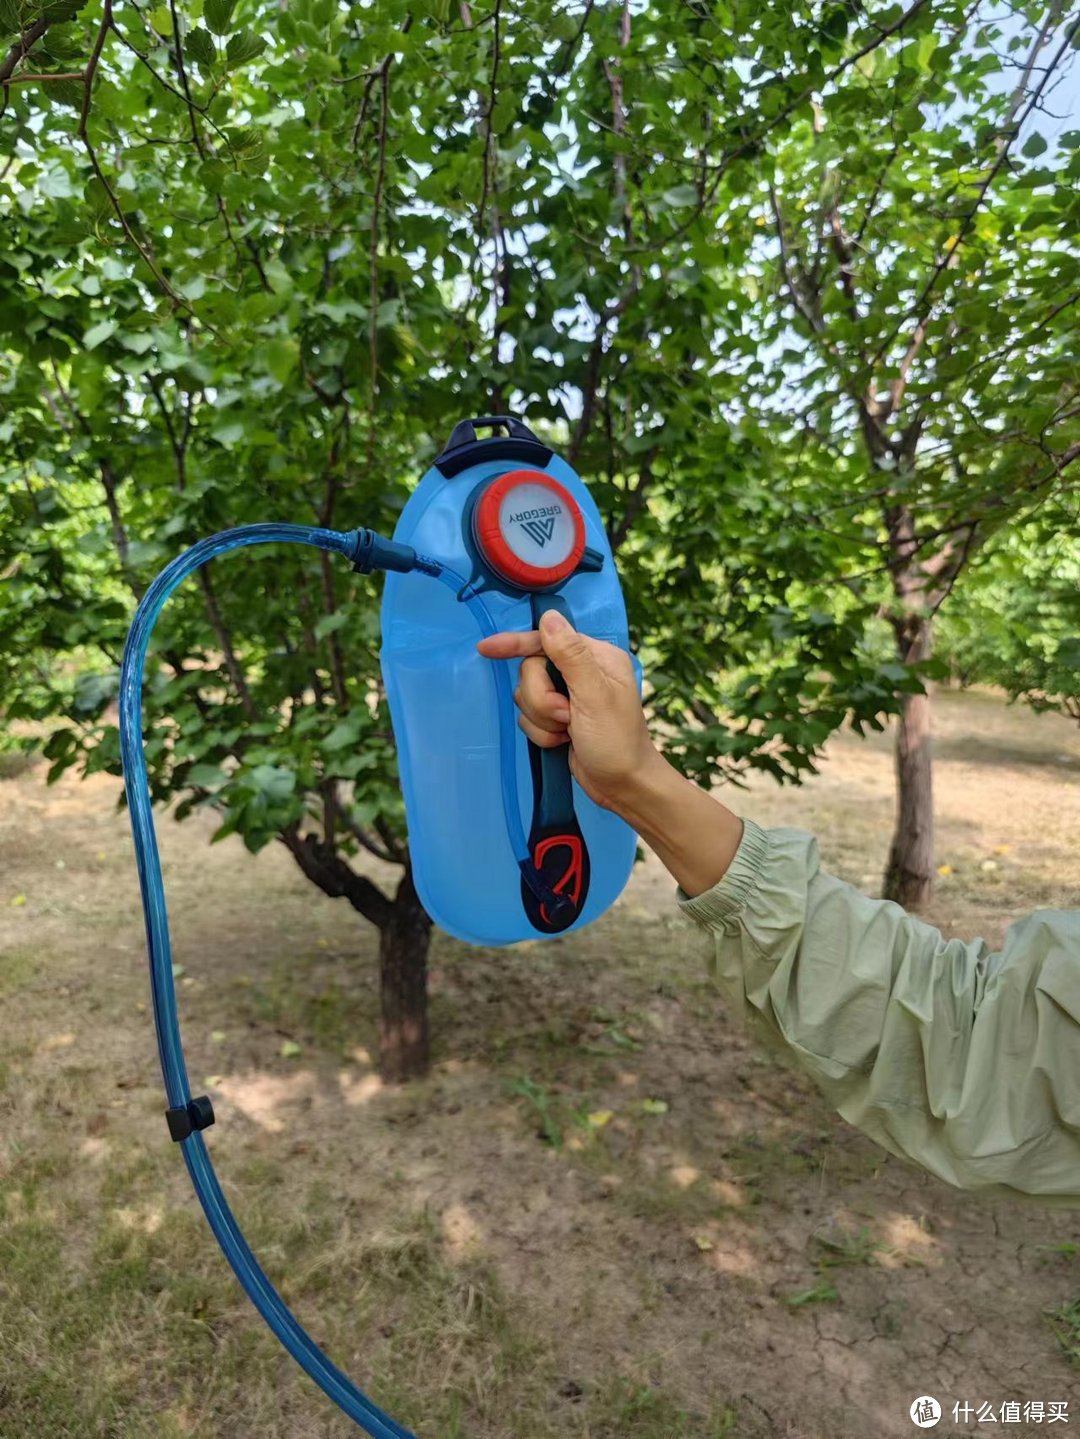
point(188, 1118)
point(374, 552)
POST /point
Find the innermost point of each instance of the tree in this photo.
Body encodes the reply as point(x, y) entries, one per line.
point(928, 331)
point(260, 261)
point(1016, 623)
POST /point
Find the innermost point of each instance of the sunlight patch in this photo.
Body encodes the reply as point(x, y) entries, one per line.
point(460, 1230)
point(146, 1219)
point(356, 1092)
point(261, 1097)
point(63, 1040)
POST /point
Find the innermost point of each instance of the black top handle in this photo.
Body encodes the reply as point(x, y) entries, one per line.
point(465, 448)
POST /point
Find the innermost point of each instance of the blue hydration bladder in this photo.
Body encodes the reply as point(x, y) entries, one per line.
point(516, 533)
point(505, 846)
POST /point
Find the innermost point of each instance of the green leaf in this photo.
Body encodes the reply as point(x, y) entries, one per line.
point(926, 47)
point(820, 1294)
point(345, 733)
point(281, 358)
point(242, 47)
point(193, 289)
point(290, 1049)
point(505, 112)
point(200, 46)
point(206, 776)
point(60, 10)
point(99, 333)
point(1034, 145)
point(137, 341)
point(330, 624)
point(218, 15)
point(247, 146)
point(681, 197)
point(97, 198)
point(273, 781)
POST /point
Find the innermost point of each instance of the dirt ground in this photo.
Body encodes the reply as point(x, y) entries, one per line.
point(605, 1214)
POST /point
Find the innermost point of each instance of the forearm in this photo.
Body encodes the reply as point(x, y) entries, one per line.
point(694, 835)
point(945, 1052)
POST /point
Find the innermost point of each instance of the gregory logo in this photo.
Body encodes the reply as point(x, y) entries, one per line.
point(538, 524)
point(540, 530)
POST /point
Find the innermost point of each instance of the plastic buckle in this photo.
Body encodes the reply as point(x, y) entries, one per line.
point(187, 1118)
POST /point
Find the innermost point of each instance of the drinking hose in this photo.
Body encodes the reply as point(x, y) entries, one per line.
point(188, 1116)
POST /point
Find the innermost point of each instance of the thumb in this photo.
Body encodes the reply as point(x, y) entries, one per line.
point(568, 650)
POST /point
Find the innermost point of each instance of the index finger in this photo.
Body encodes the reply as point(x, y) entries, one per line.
point(511, 644)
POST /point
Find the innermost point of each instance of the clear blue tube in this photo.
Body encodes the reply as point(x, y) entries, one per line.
point(259, 1289)
point(262, 1293)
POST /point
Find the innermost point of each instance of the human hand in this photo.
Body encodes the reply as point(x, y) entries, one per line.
point(602, 721)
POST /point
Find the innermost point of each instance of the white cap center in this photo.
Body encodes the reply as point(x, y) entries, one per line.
point(537, 525)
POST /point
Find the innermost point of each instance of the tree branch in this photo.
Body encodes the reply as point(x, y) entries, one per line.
point(336, 878)
point(373, 262)
point(362, 837)
point(751, 143)
point(635, 504)
point(25, 77)
point(91, 70)
point(842, 251)
point(596, 351)
point(119, 533)
point(224, 639)
point(1004, 146)
point(21, 49)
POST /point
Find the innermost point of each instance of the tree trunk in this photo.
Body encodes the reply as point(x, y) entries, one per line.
point(909, 877)
point(403, 950)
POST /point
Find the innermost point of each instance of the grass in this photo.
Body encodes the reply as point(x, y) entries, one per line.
point(659, 1197)
point(148, 1308)
point(1068, 1249)
point(328, 1016)
point(644, 1200)
point(842, 1247)
point(820, 1294)
point(647, 1413)
point(17, 967)
point(1065, 1323)
point(545, 1107)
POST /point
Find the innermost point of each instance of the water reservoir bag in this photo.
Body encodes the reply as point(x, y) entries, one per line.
point(515, 522)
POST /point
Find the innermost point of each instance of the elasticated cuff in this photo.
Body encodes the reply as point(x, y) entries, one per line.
point(732, 894)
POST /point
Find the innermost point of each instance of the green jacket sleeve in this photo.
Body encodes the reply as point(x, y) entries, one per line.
point(960, 1058)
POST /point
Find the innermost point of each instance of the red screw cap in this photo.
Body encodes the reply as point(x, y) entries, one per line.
point(529, 529)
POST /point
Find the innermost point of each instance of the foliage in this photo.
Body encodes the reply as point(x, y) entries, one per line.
point(918, 379)
point(259, 259)
point(921, 362)
point(1016, 623)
